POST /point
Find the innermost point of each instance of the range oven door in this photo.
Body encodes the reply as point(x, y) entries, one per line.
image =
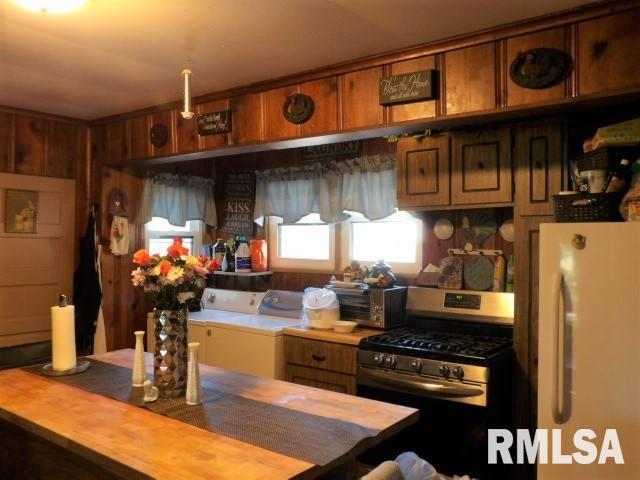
point(450, 435)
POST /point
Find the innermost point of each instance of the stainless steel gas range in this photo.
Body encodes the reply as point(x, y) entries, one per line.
point(454, 362)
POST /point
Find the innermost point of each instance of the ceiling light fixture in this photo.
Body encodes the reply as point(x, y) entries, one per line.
point(50, 6)
point(186, 113)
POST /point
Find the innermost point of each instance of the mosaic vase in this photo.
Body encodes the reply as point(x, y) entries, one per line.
point(171, 350)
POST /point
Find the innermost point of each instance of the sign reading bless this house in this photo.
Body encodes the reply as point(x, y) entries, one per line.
point(239, 197)
point(408, 87)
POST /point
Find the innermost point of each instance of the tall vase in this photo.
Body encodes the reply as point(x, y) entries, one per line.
point(170, 356)
point(194, 385)
point(139, 373)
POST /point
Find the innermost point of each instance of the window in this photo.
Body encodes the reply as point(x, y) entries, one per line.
point(159, 234)
point(397, 239)
point(308, 244)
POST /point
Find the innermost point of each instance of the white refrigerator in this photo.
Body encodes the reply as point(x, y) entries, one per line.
point(589, 343)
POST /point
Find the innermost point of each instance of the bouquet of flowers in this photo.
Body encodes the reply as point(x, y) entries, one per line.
point(172, 280)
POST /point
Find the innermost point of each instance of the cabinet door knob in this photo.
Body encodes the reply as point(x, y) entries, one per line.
point(539, 165)
point(422, 171)
point(318, 358)
point(480, 165)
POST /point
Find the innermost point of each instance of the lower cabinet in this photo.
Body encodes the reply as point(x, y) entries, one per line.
point(327, 365)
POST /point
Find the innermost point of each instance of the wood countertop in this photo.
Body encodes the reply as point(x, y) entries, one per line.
point(132, 442)
point(352, 338)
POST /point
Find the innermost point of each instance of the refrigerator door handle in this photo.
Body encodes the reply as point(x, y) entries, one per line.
point(558, 405)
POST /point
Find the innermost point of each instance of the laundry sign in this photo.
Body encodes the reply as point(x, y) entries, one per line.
point(239, 198)
point(214, 122)
point(408, 87)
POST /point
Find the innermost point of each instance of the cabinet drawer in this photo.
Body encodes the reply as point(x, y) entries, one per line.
point(313, 377)
point(316, 354)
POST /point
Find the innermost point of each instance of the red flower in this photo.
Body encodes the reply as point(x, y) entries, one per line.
point(141, 257)
point(203, 259)
point(176, 249)
point(213, 265)
point(165, 266)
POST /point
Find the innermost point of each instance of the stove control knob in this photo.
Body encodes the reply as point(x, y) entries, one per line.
point(444, 370)
point(458, 372)
point(390, 361)
point(378, 358)
point(416, 365)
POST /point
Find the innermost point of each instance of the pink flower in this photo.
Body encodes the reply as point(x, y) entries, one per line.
point(138, 277)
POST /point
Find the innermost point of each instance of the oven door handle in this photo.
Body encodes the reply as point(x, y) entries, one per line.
point(417, 383)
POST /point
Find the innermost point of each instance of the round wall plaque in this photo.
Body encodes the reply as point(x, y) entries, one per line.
point(158, 135)
point(298, 108)
point(540, 67)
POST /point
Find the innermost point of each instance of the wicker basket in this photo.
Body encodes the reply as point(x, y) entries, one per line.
point(587, 207)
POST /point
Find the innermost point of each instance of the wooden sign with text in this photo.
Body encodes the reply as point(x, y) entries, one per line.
point(408, 87)
point(239, 198)
point(214, 122)
point(331, 151)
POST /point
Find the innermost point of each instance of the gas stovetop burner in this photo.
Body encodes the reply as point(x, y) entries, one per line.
point(436, 344)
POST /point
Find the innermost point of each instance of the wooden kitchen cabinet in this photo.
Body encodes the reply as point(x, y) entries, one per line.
point(248, 125)
point(325, 97)
point(6, 142)
point(423, 172)
point(138, 134)
point(167, 119)
point(315, 363)
point(276, 125)
point(360, 99)
point(481, 167)
point(607, 53)
point(470, 79)
point(207, 142)
point(539, 170)
point(414, 110)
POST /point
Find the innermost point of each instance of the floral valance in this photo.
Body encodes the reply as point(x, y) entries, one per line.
point(178, 198)
point(366, 185)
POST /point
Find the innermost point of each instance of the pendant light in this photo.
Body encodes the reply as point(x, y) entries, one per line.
point(186, 113)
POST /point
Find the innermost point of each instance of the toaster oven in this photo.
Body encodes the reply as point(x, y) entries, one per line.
point(373, 307)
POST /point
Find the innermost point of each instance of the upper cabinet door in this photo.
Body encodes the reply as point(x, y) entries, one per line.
point(324, 93)
point(516, 95)
point(360, 100)
point(481, 167)
point(470, 79)
point(166, 118)
point(138, 131)
point(276, 126)
point(414, 110)
point(538, 166)
point(207, 142)
point(247, 124)
point(423, 172)
point(608, 53)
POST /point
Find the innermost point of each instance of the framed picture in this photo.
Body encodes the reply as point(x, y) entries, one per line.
point(21, 211)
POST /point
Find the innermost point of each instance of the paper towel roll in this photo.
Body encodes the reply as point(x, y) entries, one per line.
point(63, 337)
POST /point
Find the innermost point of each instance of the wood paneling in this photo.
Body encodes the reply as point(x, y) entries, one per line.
point(607, 53)
point(470, 79)
point(138, 134)
point(30, 145)
point(539, 153)
point(411, 111)
point(516, 95)
point(117, 151)
point(423, 172)
point(360, 105)
point(325, 96)
point(166, 118)
point(6, 142)
point(186, 133)
point(207, 142)
point(247, 119)
point(276, 126)
point(481, 167)
point(66, 149)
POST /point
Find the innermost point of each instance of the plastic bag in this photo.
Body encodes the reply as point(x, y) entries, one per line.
point(415, 468)
point(314, 302)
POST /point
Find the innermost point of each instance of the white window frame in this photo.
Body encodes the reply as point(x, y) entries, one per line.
point(297, 264)
point(196, 232)
point(411, 269)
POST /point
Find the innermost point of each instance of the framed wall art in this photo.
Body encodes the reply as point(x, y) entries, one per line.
point(21, 211)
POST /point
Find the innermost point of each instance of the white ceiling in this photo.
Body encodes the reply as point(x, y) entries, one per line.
point(113, 56)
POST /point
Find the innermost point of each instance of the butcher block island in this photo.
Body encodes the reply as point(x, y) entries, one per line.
point(62, 431)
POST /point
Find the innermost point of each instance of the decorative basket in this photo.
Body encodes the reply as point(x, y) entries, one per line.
point(587, 207)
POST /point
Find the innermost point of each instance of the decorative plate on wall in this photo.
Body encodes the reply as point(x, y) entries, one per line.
point(298, 108)
point(158, 135)
point(540, 67)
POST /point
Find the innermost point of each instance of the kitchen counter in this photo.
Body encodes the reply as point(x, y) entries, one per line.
point(47, 426)
point(352, 338)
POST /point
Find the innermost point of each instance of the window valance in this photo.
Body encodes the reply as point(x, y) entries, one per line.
point(366, 185)
point(178, 198)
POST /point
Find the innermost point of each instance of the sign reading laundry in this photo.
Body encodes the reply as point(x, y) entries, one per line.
point(333, 151)
point(239, 198)
point(408, 87)
point(214, 122)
